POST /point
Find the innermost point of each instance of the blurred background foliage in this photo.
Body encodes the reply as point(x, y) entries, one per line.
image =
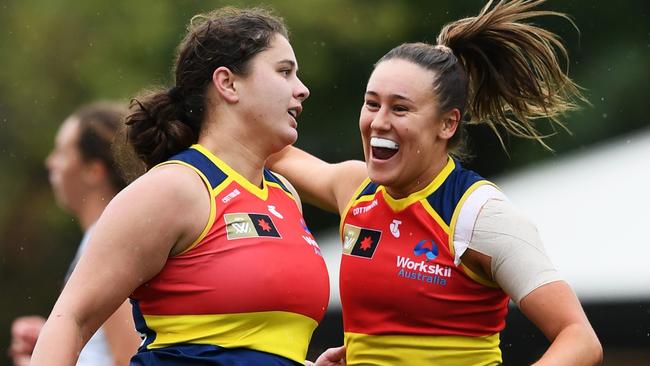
point(55, 55)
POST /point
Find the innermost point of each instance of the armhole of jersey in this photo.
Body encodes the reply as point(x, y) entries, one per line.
point(288, 191)
point(464, 219)
point(213, 208)
point(357, 192)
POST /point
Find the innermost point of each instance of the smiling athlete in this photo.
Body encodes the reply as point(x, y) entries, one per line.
point(432, 252)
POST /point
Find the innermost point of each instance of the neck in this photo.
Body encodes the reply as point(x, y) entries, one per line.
point(422, 182)
point(238, 149)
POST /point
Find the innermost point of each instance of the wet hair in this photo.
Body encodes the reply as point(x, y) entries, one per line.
point(99, 123)
point(496, 69)
point(166, 121)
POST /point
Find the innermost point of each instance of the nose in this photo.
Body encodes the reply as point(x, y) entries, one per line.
point(301, 92)
point(48, 161)
point(381, 120)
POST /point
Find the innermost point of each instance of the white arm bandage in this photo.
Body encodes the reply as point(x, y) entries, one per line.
point(519, 262)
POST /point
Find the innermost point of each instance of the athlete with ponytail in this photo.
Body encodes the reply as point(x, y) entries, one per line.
point(432, 252)
point(209, 245)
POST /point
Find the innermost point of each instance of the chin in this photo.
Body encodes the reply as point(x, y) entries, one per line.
point(292, 137)
point(379, 177)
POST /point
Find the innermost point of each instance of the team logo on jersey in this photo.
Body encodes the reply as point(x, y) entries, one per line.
point(430, 251)
point(394, 228)
point(249, 225)
point(360, 242)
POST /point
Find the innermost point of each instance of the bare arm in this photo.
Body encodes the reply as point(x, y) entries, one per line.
point(506, 247)
point(556, 311)
point(328, 186)
point(122, 338)
point(130, 244)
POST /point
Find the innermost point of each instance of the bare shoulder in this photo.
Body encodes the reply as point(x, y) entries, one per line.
point(349, 176)
point(171, 198)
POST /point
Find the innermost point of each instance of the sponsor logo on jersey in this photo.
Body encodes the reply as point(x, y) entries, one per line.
point(363, 209)
point(234, 193)
point(310, 240)
point(423, 247)
point(360, 242)
point(275, 212)
point(423, 270)
point(249, 225)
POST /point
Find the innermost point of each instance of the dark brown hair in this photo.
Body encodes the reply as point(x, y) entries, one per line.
point(99, 123)
point(164, 122)
point(498, 70)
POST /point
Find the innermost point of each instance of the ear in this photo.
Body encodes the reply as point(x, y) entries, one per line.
point(449, 124)
point(95, 172)
point(224, 82)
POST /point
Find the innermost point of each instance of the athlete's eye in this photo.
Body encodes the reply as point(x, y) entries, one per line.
point(372, 105)
point(400, 108)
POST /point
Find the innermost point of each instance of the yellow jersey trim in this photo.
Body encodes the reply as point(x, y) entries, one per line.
point(278, 332)
point(447, 350)
point(353, 200)
point(402, 203)
point(262, 193)
point(213, 207)
point(436, 216)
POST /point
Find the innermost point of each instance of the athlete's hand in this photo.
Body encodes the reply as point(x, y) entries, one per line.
point(24, 332)
point(331, 357)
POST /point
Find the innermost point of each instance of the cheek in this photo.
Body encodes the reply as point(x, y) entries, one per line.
point(365, 119)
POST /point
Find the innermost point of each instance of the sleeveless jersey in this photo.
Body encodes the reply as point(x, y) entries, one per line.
point(404, 300)
point(249, 291)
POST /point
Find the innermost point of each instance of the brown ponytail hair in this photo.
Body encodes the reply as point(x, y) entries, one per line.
point(164, 122)
point(498, 70)
point(99, 123)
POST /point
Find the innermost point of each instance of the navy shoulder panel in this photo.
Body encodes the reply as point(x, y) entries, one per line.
point(270, 177)
point(369, 189)
point(445, 199)
point(201, 162)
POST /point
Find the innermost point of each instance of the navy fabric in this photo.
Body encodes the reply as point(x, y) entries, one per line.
point(203, 163)
point(207, 355)
point(445, 199)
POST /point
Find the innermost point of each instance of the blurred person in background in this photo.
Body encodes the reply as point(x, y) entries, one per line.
point(84, 177)
point(433, 252)
point(210, 246)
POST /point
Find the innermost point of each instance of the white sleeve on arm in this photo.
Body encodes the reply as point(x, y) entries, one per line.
point(467, 216)
point(519, 263)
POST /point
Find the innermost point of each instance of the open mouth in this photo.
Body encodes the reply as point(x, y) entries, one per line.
point(295, 111)
point(383, 149)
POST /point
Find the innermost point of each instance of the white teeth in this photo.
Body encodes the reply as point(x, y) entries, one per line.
point(385, 143)
point(293, 113)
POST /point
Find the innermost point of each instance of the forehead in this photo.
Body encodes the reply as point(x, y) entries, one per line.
point(68, 132)
point(401, 77)
point(279, 50)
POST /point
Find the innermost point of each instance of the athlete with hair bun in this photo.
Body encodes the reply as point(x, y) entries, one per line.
point(85, 177)
point(209, 245)
point(432, 252)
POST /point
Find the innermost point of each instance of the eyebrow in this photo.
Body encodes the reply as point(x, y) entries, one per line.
point(393, 96)
point(289, 62)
